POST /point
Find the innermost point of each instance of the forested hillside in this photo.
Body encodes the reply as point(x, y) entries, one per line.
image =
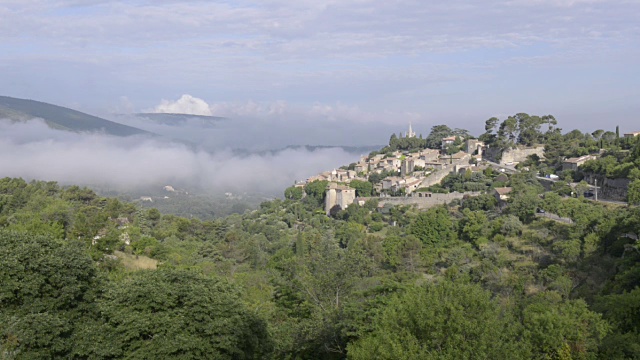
point(467, 280)
point(61, 118)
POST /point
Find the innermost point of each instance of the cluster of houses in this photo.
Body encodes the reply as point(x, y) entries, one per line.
point(336, 175)
point(415, 170)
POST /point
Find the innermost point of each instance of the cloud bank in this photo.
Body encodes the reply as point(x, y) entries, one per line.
point(33, 151)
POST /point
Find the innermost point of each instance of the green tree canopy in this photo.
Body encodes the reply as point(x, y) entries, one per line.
point(174, 313)
point(363, 188)
point(633, 192)
point(316, 189)
point(434, 140)
point(433, 227)
point(442, 321)
point(293, 193)
point(46, 287)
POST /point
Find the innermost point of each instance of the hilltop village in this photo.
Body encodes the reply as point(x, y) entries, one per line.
point(409, 176)
point(404, 174)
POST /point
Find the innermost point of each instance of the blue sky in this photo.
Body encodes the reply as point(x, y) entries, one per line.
point(364, 61)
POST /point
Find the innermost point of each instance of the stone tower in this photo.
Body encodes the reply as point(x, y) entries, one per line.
point(339, 195)
point(410, 133)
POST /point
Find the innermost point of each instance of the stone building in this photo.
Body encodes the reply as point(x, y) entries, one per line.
point(436, 165)
point(460, 157)
point(448, 141)
point(338, 195)
point(409, 164)
point(473, 146)
point(575, 163)
point(391, 183)
point(411, 185)
point(502, 194)
point(429, 155)
point(362, 168)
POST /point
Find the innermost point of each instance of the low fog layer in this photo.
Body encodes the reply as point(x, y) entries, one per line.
point(33, 151)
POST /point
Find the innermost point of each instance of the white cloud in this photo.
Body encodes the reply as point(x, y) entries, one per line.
point(187, 104)
point(33, 151)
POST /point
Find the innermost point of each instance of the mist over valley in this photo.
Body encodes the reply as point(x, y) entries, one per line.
point(205, 156)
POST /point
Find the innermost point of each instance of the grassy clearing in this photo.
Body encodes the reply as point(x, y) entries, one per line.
point(133, 262)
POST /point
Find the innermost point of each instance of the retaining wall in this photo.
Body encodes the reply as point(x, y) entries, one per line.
point(427, 202)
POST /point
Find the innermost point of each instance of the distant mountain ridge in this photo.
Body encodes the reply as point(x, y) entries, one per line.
point(62, 118)
point(179, 119)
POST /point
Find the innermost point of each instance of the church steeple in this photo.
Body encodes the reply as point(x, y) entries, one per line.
point(410, 133)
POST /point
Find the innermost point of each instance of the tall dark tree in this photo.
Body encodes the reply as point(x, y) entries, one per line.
point(597, 134)
point(555, 149)
point(462, 133)
point(491, 124)
point(609, 137)
point(508, 131)
point(489, 137)
point(438, 132)
point(551, 122)
point(393, 140)
point(529, 129)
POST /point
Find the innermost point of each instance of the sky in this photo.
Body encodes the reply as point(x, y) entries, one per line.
point(303, 72)
point(379, 64)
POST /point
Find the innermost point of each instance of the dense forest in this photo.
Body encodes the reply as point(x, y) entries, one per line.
point(88, 277)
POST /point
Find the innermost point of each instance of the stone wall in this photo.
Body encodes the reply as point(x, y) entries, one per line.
point(426, 202)
point(436, 176)
point(546, 183)
point(609, 189)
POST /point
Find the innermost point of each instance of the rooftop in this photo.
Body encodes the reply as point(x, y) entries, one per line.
point(578, 159)
point(503, 190)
